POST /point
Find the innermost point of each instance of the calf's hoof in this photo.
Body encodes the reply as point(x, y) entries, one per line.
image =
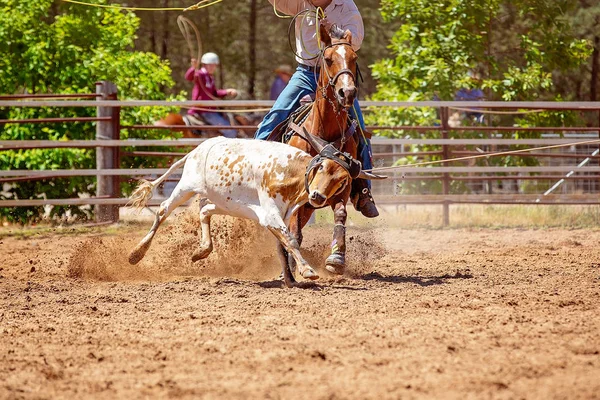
point(202, 253)
point(336, 263)
point(310, 273)
point(136, 256)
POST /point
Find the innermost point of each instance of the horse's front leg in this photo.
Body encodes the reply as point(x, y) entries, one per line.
point(336, 262)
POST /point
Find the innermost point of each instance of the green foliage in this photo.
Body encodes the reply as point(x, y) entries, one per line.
point(510, 49)
point(52, 47)
point(514, 46)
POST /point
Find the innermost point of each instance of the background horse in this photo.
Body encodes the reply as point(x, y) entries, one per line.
point(175, 119)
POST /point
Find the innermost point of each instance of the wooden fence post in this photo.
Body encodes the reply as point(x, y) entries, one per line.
point(107, 157)
point(444, 115)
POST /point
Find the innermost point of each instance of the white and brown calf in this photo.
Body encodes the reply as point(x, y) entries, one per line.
point(258, 180)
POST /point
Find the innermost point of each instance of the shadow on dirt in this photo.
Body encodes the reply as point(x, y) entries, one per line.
point(419, 280)
point(277, 284)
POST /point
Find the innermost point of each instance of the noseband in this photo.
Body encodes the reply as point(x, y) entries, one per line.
point(344, 160)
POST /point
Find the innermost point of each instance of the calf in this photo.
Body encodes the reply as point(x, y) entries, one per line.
point(263, 181)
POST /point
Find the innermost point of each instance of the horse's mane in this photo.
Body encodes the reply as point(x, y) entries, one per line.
point(335, 32)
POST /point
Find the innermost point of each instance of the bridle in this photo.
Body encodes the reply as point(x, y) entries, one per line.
point(344, 160)
point(331, 81)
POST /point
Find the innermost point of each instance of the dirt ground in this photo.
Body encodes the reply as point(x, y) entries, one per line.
point(426, 314)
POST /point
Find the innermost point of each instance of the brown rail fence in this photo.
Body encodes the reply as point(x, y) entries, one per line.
point(578, 164)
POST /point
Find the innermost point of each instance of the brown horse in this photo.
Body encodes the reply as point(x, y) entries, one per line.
point(174, 119)
point(328, 120)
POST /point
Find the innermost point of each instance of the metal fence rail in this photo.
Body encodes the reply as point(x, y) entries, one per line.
point(109, 170)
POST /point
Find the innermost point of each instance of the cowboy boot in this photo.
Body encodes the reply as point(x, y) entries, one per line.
point(362, 200)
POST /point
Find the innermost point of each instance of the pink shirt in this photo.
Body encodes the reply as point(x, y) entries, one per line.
point(208, 81)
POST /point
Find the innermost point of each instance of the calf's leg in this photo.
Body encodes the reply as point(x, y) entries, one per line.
point(288, 276)
point(177, 198)
point(291, 246)
point(298, 221)
point(207, 210)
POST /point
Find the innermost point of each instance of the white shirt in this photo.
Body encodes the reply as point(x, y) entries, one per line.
point(343, 13)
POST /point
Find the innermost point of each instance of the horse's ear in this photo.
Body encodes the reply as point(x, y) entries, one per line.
point(348, 36)
point(324, 33)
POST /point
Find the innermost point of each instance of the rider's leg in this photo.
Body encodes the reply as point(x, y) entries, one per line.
point(361, 188)
point(300, 84)
point(216, 118)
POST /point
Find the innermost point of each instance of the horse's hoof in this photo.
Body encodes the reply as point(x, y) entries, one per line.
point(336, 263)
point(310, 273)
point(202, 253)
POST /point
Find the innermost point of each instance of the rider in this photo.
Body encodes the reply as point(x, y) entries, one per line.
point(345, 15)
point(205, 89)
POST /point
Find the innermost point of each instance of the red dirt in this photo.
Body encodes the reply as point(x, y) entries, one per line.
point(430, 314)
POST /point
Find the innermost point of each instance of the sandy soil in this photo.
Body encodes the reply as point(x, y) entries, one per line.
point(428, 314)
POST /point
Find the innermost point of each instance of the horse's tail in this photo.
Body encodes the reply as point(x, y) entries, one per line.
point(140, 196)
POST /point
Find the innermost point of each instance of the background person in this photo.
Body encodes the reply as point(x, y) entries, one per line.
point(205, 89)
point(283, 75)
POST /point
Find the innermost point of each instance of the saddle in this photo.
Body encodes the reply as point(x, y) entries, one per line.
point(193, 120)
point(289, 127)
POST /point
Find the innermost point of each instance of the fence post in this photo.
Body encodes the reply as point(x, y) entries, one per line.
point(444, 115)
point(107, 157)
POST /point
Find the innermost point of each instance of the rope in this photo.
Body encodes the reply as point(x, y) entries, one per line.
point(277, 14)
point(197, 6)
point(474, 110)
point(232, 110)
point(502, 153)
point(184, 26)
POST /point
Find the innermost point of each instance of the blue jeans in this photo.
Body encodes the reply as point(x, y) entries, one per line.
point(216, 118)
point(303, 83)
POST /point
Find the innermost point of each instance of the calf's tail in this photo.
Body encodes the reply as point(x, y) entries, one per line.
point(140, 196)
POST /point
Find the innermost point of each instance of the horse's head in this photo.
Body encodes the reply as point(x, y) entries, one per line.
point(338, 67)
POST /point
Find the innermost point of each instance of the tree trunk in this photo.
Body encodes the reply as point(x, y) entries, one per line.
point(153, 33)
point(165, 50)
point(252, 51)
point(595, 69)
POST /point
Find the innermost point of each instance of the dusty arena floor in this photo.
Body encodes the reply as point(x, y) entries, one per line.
point(428, 314)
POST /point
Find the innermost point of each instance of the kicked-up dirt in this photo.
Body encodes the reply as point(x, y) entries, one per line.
point(419, 314)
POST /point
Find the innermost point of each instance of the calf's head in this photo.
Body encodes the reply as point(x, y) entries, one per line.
point(325, 181)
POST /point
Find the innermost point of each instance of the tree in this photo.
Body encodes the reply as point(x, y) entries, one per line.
point(227, 29)
point(512, 49)
point(514, 46)
point(52, 47)
point(582, 83)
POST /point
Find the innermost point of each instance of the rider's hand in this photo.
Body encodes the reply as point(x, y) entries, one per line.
point(194, 63)
point(325, 23)
point(232, 92)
